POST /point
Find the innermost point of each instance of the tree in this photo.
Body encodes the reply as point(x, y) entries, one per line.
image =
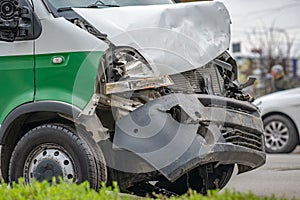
point(273, 44)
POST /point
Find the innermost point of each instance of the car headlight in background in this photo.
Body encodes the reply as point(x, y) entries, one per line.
point(129, 71)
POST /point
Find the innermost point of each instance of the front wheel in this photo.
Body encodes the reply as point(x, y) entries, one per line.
point(55, 150)
point(280, 134)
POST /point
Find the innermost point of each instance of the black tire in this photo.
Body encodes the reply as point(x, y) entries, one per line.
point(281, 135)
point(60, 151)
point(98, 155)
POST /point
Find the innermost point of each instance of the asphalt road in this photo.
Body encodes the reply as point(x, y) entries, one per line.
point(279, 176)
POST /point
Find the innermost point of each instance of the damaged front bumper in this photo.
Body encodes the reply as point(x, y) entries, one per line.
point(214, 130)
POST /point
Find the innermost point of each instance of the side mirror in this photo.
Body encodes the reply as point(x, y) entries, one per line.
point(15, 20)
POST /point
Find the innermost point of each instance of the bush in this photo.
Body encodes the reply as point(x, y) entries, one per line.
point(61, 191)
point(70, 191)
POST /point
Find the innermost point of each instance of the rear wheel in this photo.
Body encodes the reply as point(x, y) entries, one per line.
point(280, 134)
point(56, 150)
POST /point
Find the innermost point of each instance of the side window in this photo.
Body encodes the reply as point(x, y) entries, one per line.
point(18, 21)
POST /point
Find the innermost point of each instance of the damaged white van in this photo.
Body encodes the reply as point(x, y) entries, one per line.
point(123, 90)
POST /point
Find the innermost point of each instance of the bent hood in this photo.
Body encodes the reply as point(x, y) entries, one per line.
point(173, 38)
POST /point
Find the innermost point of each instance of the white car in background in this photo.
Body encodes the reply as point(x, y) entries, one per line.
point(281, 117)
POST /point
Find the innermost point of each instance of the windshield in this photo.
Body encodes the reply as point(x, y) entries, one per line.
point(86, 3)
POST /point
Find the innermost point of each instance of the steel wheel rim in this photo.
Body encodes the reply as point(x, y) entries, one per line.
point(52, 160)
point(276, 135)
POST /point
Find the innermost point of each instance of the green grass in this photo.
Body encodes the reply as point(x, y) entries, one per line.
point(69, 191)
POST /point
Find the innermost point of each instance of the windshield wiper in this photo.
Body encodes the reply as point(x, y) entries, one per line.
point(64, 9)
point(95, 5)
point(99, 3)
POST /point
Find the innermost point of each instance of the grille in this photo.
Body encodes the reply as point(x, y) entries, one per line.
point(242, 138)
point(206, 79)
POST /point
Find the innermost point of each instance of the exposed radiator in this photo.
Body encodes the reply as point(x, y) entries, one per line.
point(206, 79)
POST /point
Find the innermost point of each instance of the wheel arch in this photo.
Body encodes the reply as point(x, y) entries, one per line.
point(27, 116)
point(285, 115)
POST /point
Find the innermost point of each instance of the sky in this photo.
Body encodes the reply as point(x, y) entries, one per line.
point(250, 15)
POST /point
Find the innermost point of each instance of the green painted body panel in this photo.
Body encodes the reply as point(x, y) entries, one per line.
point(72, 81)
point(16, 82)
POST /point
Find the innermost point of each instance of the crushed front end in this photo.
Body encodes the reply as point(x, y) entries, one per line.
point(171, 133)
point(167, 94)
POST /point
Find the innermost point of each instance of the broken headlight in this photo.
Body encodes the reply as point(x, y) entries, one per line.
point(127, 70)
